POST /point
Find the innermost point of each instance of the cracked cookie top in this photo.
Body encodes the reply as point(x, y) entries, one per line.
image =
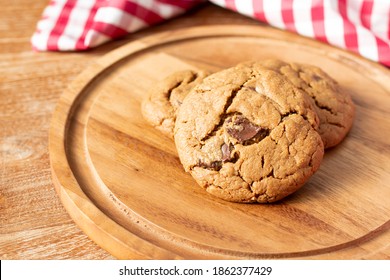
point(163, 100)
point(246, 134)
point(333, 104)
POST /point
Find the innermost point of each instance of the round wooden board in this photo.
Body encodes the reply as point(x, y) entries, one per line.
point(123, 184)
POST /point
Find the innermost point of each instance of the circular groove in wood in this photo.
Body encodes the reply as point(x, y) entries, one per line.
point(70, 129)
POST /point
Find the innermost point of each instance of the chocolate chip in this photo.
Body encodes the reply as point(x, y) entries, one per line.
point(257, 138)
point(316, 78)
point(226, 150)
point(215, 165)
point(243, 130)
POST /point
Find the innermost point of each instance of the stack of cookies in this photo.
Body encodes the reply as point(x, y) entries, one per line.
point(255, 132)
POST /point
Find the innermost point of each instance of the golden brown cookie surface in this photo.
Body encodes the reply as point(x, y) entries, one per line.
point(163, 100)
point(334, 105)
point(246, 134)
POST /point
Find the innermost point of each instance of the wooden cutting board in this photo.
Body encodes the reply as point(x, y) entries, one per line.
point(123, 184)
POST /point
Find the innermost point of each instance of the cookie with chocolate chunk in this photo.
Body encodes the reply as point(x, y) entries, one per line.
point(159, 108)
point(333, 103)
point(246, 134)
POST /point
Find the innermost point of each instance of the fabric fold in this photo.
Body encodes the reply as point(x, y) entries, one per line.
point(361, 26)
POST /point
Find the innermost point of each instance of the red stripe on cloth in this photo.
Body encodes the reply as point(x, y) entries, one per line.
point(388, 30)
point(288, 15)
point(136, 10)
point(383, 52)
point(60, 25)
point(231, 4)
point(317, 17)
point(258, 10)
point(186, 4)
point(350, 37)
point(350, 33)
point(80, 44)
point(365, 13)
point(109, 30)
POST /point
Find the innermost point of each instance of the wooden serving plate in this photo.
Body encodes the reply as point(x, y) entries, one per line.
point(123, 184)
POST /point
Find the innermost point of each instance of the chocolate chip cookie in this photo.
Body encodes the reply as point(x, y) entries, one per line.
point(333, 104)
point(159, 108)
point(246, 134)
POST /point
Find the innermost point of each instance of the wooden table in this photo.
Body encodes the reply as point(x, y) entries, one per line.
point(33, 222)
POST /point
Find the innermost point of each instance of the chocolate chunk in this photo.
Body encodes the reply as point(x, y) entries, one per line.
point(243, 130)
point(228, 153)
point(215, 165)
point(226, 150)
point(257, 138)
point(316, 78)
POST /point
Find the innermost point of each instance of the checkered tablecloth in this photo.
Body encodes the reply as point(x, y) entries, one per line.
point(362, 26)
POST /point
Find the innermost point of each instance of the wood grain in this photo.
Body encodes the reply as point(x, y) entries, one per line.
point(122, 182)
point(33, 222)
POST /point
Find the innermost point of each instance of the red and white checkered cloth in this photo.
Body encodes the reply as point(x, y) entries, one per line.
point(362, 26)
